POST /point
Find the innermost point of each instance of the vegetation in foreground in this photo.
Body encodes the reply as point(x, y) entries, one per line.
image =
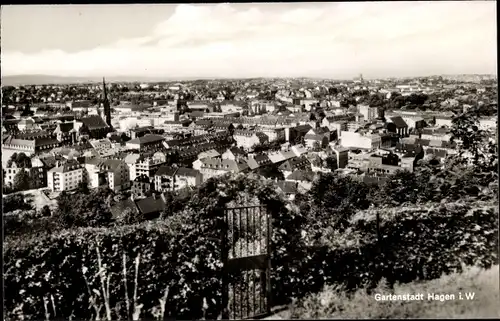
point(333, 302)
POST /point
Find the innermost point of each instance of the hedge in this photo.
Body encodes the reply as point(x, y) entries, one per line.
point(416, 243)
point(172, 267)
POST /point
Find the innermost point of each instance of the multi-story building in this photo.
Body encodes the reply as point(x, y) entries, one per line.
point(209, 167)
point(27, 124)
point(397, 125)
point(273, 133)
point(111, 172)
point(164, 178)
point(29, 146)
point(187, 177)
point(140, 164)
point(438, 134)
point(294, 164)
point(141, 187)
point(11, 172)
point(303, 178)
point(319, 136)
point(65, 177)
point(247, 139)
point(369, 113)
point(360, 140)
point(380, 165)
point(233, 153)
point(262, 107)
point(93, 126)
point(146, 142)
point(342, 155)
point(444, 121)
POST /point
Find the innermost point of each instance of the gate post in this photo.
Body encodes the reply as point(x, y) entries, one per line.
point(225, 277)
point(269, 252)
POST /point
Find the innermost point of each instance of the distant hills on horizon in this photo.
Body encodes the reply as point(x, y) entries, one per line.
point(64, 80)
point(17, 80)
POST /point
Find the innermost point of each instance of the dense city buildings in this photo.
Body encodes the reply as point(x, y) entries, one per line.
point(180, 136)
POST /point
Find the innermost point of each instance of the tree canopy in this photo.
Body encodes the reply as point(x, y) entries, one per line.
point(22, 181)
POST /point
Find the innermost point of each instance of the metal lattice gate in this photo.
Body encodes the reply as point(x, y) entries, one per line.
point(246, 249)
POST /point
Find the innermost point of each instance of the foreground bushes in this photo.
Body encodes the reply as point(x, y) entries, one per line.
point(415, 243)
point(80, 273)
point(171, 268)
point(332, 302)
point(163, 269)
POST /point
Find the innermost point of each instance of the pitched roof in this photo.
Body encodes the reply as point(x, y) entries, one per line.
point(287, 187)
point(314, 159)
point(224, 164)
point(295, 163)
point(144, 129)
point(302, 128)
point(288, 154)
point(119, 207)
point(50, 161)
point(399, 122)
point(65, 127)
point(165, 171)
point(317, 138)
point(111, 164)
point(150, 205)
point(31, 143)
point(422, 142)
point(300, 175)
point(243, 132)
point(148, 138)
point(68, 166)
point(132, 158)
point(236, 151)
point(94, 122)
point(203, 122)
point(262, 137)
point(435, 143)
point(298, 149)
point(276, 157)
point(101, 144)
point(183, 171)
point(209, 153)
point(141, 179)
point(258, 161)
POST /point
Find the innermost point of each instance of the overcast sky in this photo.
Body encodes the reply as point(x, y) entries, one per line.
point(384, 39)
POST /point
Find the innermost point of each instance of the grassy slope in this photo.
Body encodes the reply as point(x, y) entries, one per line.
point(331, 303)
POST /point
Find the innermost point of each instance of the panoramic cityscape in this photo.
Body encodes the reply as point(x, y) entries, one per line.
point(250, 161)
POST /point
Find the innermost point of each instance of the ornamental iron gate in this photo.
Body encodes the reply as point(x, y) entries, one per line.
point(246, 257)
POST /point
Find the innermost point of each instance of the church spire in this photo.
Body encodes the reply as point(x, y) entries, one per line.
point(105, 102)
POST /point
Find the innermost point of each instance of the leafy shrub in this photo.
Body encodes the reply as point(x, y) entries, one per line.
point(172, 267)
point(29, 223)
point(45, 212)
point(92, 260)
point(15, 202)
point(287, 252)
point(415, 243)
point(85, 210)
